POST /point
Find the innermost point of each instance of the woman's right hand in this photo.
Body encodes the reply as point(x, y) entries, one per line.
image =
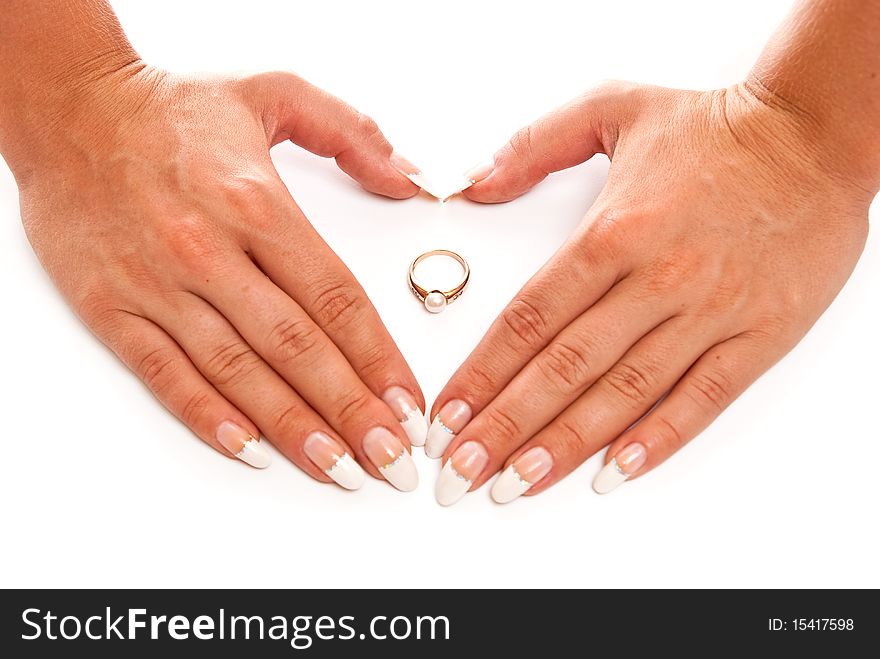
point(152, 202)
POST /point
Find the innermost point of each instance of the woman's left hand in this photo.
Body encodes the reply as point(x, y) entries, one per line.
point(728, 224)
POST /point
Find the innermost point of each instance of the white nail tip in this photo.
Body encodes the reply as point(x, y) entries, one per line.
point(451, 486)
point(439, 192)
point(439, 437)
point(416, 428)
point(459, 187)
point(424, 183)
point(509, 486)
point(402, 473)
point(254, 454)
point(347, 473)
point(465, 184)
point(609, 478)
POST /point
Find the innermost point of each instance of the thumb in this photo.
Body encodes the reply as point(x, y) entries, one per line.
point(293, 109)
point(566, 137)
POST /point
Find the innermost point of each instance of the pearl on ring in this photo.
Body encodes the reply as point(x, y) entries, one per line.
point(435, 302)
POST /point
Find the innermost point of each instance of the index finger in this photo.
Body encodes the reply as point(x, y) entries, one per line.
point(299, 262)
point(583, 270)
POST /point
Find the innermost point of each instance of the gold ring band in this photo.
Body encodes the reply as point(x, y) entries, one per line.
point(435, 301)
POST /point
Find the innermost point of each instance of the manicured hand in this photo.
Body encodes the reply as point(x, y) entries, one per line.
point(725, 229)
point(153, 203)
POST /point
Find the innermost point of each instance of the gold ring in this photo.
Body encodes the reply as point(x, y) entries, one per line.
point(436, 301)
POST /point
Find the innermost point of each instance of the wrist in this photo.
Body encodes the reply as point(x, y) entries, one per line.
point(81, 108)
point(843, 151)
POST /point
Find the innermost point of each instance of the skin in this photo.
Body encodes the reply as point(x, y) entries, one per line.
point(153, 204)
point(729, 222)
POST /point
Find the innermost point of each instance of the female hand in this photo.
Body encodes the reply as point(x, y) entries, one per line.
point(153, 204)
point(727, 225)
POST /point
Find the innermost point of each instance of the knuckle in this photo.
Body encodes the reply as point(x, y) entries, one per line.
point(479, 378)
point(670, 274)
point(712, 390)
point(352, 406)
point(670, 436)
point(373, 360)
point(98, 311)
point(500, 423)
point(526, 322)
point(251, 195)
point(572, 438)
point(93, 306)
point(158, 369)
point(603, 239)
point(632, 382)
point(611, 89)
point(728, 296)
point(337, 304)
point(367, 128)
point(566, 365)
point(521, 142)
point(277, 79)
point(521, 147)
point(191, 239)
point(782, 311)
point(194, 409)
point(606, 87)
point(285, 420)
point(231, 363)
point(292, 339)
point(770, 335)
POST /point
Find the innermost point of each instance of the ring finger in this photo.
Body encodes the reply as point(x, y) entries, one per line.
point(236, 371)
point(617, 401)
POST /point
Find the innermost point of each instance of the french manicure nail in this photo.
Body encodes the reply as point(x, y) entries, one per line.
point(460, 472)
point(391, 459)
point(472, 176)
point(524, 472)
point(243, 445)
point(428, 186)
point(407, 411)
point(329, 456)
point(451, 419)
point(481, 171)
point(628, 461)
point(414, 174)
point(403, 165)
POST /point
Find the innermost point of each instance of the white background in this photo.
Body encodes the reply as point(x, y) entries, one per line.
point(101, 487)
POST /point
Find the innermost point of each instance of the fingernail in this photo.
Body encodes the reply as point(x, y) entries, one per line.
point(473, 175)
point(403, 165)
point(411, 418)
point(628, 461)
point(460, 472)
point(414, 174)
point(451, 419)
point(242, 445)
point(481, 171)
point(329, 456)
point(427, 185)
point(525, 471)
point(392, 460)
